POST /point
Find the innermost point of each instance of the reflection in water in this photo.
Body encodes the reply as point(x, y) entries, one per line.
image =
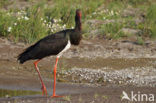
point(10, 93)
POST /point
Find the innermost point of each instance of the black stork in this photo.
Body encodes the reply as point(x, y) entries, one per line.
point(54, 44)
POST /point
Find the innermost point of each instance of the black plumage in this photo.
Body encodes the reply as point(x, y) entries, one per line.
point(54, 43)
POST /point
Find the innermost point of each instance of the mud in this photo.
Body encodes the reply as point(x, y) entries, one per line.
point(72, 93)
point(96, 71)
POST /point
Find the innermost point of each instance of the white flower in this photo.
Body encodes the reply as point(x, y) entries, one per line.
point(117, 13)
point(49, 26)
point(94, 13)
point(26, 18)
point(51, 30)
point(15, 24)
point(64, 26)
point(45, 21)
point(8, 14)
point(59, 20)
point(18, 18)
point(112, 13)
point(22, 12)
point(9, 29)
point(41, 18)
point(19, 13)
point(55, 20)
point(104, 18)
point(72, 27)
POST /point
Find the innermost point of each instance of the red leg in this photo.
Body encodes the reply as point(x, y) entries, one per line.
point(44, 90)
point(54, 87)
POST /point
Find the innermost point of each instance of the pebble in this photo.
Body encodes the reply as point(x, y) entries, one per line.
point(129, 76)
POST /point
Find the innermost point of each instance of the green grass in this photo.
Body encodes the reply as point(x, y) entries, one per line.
point(140, 41)
point(12, 93)
point(151, 20)
point(44, 18)
point(35, 28)
point(27, 27)
point(112, 30)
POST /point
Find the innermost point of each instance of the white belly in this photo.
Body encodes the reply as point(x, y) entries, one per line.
point(65, 49)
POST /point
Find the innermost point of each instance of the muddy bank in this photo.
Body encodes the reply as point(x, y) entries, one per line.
point(110, 94)
point(138, 72)
point(96, 71)
point(90, 49)
point(77, 66)
point(72, 93)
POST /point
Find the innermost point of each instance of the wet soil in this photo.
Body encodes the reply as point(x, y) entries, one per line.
point(114, 63)
point(92, 59)
point(73, 93)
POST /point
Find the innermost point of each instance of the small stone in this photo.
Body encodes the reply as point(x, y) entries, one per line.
point(120, 82)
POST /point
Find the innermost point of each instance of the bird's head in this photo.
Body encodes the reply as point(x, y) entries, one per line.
point(78, 13)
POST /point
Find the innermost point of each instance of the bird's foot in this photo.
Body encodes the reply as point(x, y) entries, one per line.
point(55, 96)
point(44, 90)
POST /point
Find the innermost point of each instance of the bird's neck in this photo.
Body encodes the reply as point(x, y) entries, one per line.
point(78, 26)
point(76, 36)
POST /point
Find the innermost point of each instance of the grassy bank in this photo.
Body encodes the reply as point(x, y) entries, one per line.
point(49, 16)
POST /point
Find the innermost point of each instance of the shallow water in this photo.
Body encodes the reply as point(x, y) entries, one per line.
point(11, 93)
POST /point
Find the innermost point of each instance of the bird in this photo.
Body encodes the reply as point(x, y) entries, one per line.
point(53, 45)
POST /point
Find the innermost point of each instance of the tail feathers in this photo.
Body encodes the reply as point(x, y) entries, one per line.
point(25, 55)
point(22, 58)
